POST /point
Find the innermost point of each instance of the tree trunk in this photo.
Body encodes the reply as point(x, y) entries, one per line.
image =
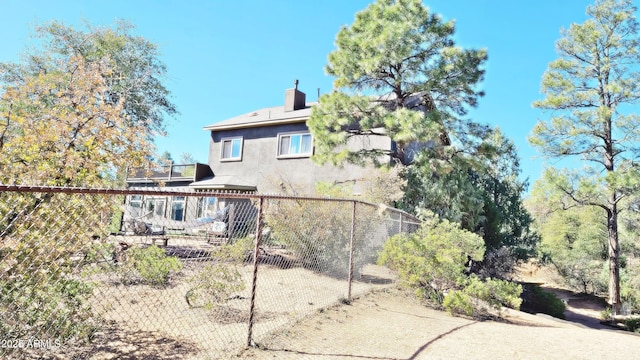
point(614, 259)
point(612, 221)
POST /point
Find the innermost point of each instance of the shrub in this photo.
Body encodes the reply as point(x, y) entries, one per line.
point(432, 259)
point(43, 293)
point(606, 314)
point(236, 252)
point(215, 283)
point(632, 324)
point(99, 253)
point(474, 293)
point(495, 292)
point(544, 302)
point(630, 286)
point(59, 309)
point(150, 264)
point(458, 302)
point(497, 262)
point(318, 233)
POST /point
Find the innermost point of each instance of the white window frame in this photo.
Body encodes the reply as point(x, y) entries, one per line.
point(207, 207)
point(136, 201)
point(136, 204)
point(155, 200)
point(231, 140)
point(299, 154)
point(178, 203)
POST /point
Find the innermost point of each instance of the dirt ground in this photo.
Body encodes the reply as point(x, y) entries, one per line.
point(391, 325)
point(297, 318)
point(140, 321)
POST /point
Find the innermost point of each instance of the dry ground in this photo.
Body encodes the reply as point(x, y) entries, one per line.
point(382, 323)
point(140, 321)
point(390, 325)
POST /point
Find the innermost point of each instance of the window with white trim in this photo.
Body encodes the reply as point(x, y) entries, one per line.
point(207, 206)
point(231, 149)
point(295, 145)
point(135, 203)
point(154, 206)
point(177, 208)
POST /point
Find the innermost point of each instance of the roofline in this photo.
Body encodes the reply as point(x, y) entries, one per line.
point(223, 187)
point(292, 120)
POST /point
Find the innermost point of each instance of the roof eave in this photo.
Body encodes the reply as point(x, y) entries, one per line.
point(215, 127)
point(224, 187)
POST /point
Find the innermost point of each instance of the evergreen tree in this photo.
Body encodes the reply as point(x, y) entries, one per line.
point(588, 89)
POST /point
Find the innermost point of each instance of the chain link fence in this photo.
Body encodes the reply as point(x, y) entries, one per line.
point(89, 273)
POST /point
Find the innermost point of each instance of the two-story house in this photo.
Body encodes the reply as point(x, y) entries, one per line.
point(266, 150)
point(270, 149)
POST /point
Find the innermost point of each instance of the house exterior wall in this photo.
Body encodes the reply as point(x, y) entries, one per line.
point(261, 166)
point(166, 212)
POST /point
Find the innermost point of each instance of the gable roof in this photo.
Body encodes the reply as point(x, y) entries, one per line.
point(263, 117)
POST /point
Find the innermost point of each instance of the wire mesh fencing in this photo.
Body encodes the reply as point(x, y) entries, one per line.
point(92, 273)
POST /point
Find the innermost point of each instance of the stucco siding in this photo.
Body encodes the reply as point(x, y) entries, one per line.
point(261, 166)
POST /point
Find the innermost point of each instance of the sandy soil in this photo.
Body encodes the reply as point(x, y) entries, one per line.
point(145, 322)
point(297, 318)
point(390, 325)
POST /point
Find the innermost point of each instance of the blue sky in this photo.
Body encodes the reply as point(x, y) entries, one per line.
point(226, 58)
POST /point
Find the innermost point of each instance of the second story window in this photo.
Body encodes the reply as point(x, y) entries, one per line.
point(231, 149)
point(295, 145)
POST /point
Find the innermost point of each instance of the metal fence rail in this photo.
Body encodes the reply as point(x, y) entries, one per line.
point(94, 273)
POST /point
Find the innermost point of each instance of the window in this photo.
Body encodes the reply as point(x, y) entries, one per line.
point(154, 206)
point(207, 206)
point(295, 145)
point(231, 149)
point(135, 203)
point(177, 208)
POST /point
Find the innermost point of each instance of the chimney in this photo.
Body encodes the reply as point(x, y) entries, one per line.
point(294, 99)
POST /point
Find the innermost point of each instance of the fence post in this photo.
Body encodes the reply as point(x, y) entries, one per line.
point(401, 223)
point(351, 241)
point(256, 251)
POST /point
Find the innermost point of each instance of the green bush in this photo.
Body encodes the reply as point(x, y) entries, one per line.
point(318, 233)
point(630, 286)
point(606, 314)
point(433, 259)
point(59, 308)
point(544, 302)
point(458, 302)
point(98, 257)
point(216, 282)
point(213, 285)
point(495, 292)
point(474, 293)
point(434, 262)
point(632, 324)
point(151, 265)
point(43, 293)
point(236, 252)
